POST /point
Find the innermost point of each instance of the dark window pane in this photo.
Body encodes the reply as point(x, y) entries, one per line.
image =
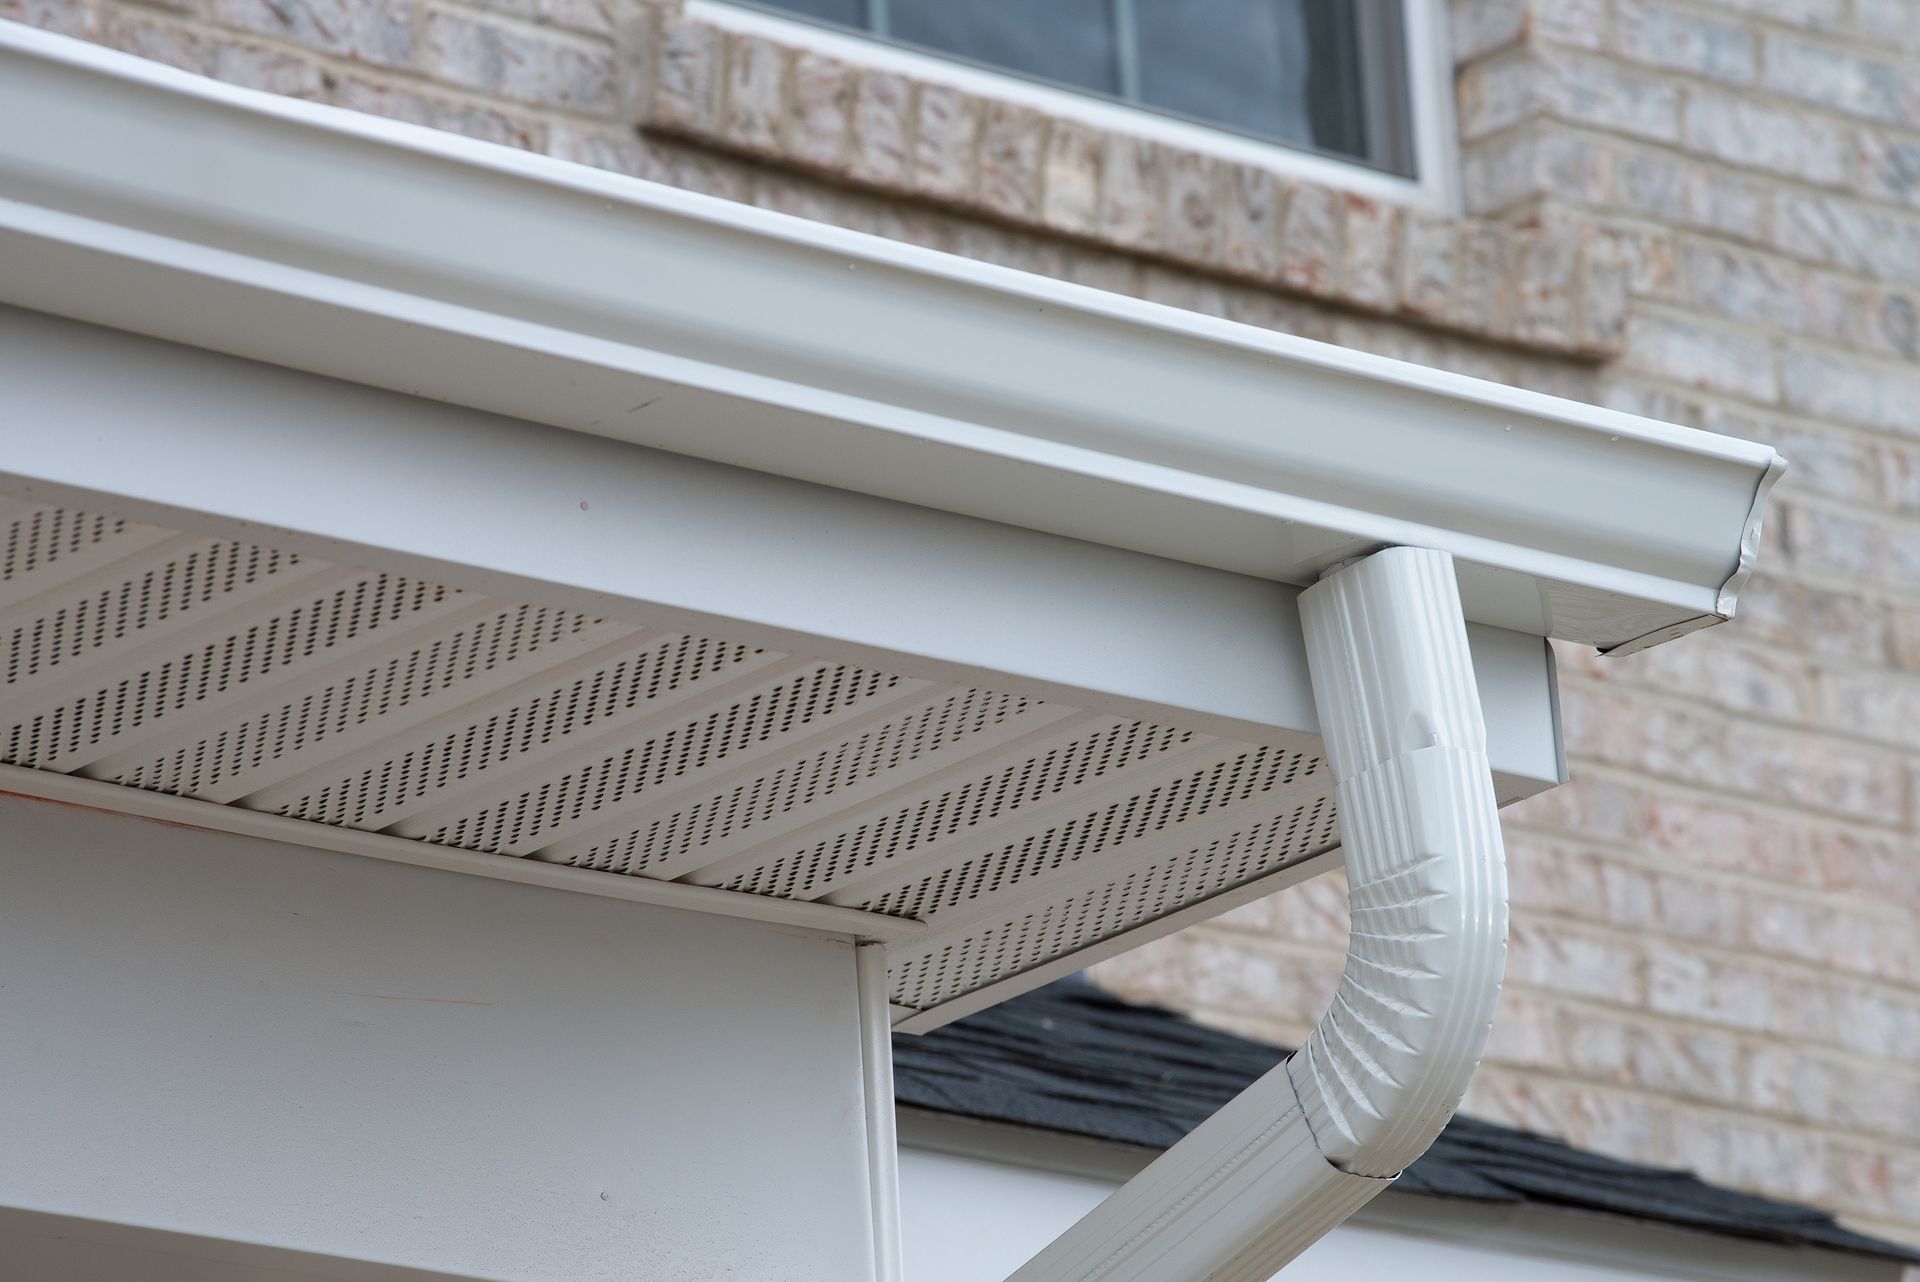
point(1337, 98)
point(1323, 74)
point(1068, 41)
point(1251, 64)
point(847, 13)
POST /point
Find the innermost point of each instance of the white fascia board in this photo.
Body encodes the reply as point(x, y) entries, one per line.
point(405, 258)
point(108, 421)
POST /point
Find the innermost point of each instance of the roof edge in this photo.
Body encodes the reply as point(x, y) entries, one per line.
point(361, 248)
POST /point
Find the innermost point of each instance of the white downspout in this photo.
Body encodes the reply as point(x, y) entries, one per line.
point(1312, 1141)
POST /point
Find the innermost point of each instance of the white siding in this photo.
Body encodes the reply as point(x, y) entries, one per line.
point(225, 1038)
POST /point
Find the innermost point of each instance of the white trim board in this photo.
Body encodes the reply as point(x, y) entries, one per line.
point(1521, 1243)
point(108, 421)
point(404, 258)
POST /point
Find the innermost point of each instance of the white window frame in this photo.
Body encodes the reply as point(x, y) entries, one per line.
point(1433, 138)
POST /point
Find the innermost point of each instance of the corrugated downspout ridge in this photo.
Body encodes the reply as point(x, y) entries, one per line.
point(1311, 1141)
point(1387, 1065)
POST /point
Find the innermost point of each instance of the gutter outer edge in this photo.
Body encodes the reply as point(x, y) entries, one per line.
point(1750, 538)
point(478, 318)
point(1728, 596)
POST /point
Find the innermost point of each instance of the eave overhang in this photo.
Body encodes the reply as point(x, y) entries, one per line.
point(405, 258)
point(1000, 573)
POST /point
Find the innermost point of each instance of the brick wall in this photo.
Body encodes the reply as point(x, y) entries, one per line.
point(1706, 211)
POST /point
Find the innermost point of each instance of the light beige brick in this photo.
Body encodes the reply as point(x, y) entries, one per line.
point(1851, 80)
point(1737, 128)
point(1071, 184)
point(1429, 266)
point(1740, 205)
point(1546, 288)
point(1129, 196)
point(1502, 171)
point(752, 95)
point(607, 147)
point(1609, 94)
point(1370, 254)
point(1886, 165)
point(1696, 1063)
point(159, 40)
point(1484, 299)
point(881, 111)
point(1250, 213)
point(1691, 986)
point(1888, 321)
point(588, 17)
point(945, 135)
point(1880, 243)
point(1656, 33)
point(401, 101)
point(508, 61)
point(1568, 960)
point(1525, 1033)
point(359, 29)
point(1311, 239)
point(1865, 392)
point(1480, 27)
point(686, 76)
point(1886, 23)
point(1812, 15)
point(1582, 23)
point(81, 19)
point(1878, 1022)
point(1768, 1159)
point(1013, 142)
point(1603, 296)
point(1192, 190)
point(818, 128)
point(1705, 355)
point(1498, 93)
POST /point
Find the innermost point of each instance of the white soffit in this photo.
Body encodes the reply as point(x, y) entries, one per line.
point(405, 258)
point(984, 835)
point(241, 597)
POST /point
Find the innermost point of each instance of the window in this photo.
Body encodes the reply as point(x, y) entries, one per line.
point(1328, 76)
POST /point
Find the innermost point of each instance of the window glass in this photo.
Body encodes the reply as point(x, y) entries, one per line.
point(1237, 62)
point(1070, 42)
point(1325, 75)
point(842, 13)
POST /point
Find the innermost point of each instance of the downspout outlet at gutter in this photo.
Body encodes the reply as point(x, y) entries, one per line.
point(1315, 1139)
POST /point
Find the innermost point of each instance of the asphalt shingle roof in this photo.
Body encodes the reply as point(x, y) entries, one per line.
point(1071, 1058)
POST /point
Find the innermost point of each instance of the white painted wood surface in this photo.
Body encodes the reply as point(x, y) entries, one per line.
point(972, 1217)
point(289, 1058)
point(514, 510)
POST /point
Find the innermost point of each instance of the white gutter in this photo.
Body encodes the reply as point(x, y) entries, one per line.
point(1315, 1139)
point(380, 253)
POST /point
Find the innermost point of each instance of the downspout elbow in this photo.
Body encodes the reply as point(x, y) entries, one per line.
point(1304, 1147)
point(1406, 740)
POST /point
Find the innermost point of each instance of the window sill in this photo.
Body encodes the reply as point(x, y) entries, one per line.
point(717, 76)
point(1065, 105)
